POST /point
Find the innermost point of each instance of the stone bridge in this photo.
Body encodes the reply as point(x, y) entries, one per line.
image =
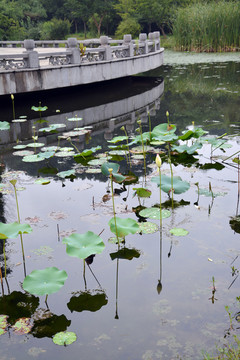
point(29, 65)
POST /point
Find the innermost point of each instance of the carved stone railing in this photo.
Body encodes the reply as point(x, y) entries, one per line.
point(74, 51)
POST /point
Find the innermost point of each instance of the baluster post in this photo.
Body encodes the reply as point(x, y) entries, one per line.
point(32, 60)
point(106, 46)
point(75, 55)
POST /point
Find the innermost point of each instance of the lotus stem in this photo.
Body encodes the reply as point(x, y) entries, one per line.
point(13, 182)
point(129, 157)
point(170, 163)
point(84, 274)
point(150, 126)
point(144, 153)
point(5, 259)
point(114, 213)
point(116, 312)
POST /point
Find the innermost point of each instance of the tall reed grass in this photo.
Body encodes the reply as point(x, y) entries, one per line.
point(211, 27)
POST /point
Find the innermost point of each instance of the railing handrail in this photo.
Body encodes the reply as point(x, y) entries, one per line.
point(77, 52)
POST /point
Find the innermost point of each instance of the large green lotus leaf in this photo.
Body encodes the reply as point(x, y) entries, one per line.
point(178, 231)
point(125, 253)
point(50, 325)
point(119, 178)
point(87, 302)
point(154, 213)
point(163, 129)
point(88, 152)
point(64, 338)
point(18, 305)
point(4, 125)
point(166, 138)
point(109, 165)
point(188, 149)
point(117, 139)
point(142, 192)
point(124, 226)
point(83, 245)
point(196, 133)
point(12, 230)
point(138, 139)
point(179, 186)
point(44, 282)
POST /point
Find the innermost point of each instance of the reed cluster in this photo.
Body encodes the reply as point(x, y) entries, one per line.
point(209, 27)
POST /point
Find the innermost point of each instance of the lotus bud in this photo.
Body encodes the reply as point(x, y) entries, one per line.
point(122, 128)
point(167, 113)
point(13, 182)
point(12, 97)
point(139, 122)
point(158, 161)
point(110, 171)
point(159, 287)
point(69, 139)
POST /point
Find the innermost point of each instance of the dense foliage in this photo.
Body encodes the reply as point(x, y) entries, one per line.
point(196, 24)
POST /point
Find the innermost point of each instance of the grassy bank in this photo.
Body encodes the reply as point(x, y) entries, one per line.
point(212, 27)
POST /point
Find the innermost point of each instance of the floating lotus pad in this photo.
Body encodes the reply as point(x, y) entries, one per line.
point(83, 245)
point(3, 323)
point(44, 282)
point(65, 174)
point(39, 108)
point(125, 253)
point(12, 230)
point(75, 119)
point(64, 338)
point(33, 145)
point(179, 232)
point(117, 139)
point(154, 213)
point(148, 227)
point(115, 168)
point(18, 147)
point(4, 125)
point(124, 226)
point(23, 153)
point(42, 181)
point(22, 326)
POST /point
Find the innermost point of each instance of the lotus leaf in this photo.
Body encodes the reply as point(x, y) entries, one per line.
point(124, 226)
point(52, 127)
point(163, 129)
point(178, 231)
point(166, 138)
point(39, 108)
point(3, 322)
point(118, 139)
point(188, 149)
point(154, 213)
point(22, 326)
point(142, 192)
point(32, 158)
point(19, 147)
point(87, 302)
point(196, 133)
point(68, 173)
point(148, 227)
point(4, 125)
point(83, 245)
point(44, 282)
point(75, 119)
point(42, 181)
point(35, 144)
point(64, 338)
point(115, 167)
point(12, 230)
point(179, 186)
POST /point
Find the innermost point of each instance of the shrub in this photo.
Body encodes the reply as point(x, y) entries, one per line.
point(56, 29)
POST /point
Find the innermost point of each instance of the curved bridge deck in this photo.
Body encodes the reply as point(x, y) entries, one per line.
point(42, 68)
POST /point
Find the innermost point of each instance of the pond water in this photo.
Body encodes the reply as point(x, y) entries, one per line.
point(162, 296)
